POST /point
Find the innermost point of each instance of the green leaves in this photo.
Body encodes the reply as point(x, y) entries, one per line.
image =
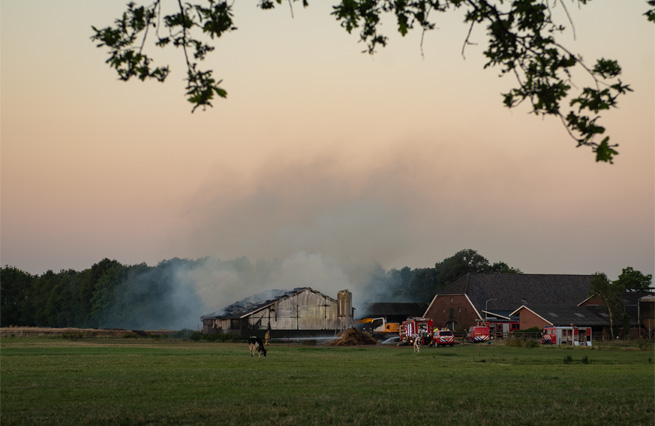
point(650, 13)
point(201, 88)
point(127, 40)
point(522, 41)
point(124, 54)
point(365, 14)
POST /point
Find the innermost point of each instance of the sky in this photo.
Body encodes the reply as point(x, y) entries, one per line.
point(321, 157)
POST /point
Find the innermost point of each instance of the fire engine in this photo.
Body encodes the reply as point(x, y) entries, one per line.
point(478, 334)
point(443, 337)
point(416, 328)
point(489, 329)
point(576, 336)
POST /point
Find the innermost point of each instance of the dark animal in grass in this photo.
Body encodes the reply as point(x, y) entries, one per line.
point(256, 344)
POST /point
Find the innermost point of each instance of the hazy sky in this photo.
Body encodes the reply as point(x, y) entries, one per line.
point(319, 150)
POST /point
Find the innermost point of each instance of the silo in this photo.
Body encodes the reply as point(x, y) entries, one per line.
point(345, 309)
point(646, 314)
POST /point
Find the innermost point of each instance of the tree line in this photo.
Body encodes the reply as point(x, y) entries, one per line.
point(107, 295)
point(421, 284)
point(113, 295)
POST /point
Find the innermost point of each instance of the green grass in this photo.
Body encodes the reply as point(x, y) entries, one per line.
point(140, 382)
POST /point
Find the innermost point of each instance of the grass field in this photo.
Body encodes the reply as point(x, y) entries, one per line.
point(146, 381)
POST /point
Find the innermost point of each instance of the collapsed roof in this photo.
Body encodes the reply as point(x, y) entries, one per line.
point(255, 303)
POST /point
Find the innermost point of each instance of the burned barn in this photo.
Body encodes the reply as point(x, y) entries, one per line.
point(298, 312)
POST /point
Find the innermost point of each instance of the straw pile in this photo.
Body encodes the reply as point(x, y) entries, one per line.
point(353, 337)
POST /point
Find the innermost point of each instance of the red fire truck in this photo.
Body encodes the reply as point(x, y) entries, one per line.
point(576, 336)
point(416, 328)
point(490, 329)
point(443, 337)
point(478, 334)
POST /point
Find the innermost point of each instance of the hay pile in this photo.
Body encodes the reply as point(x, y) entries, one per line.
point(353, 337)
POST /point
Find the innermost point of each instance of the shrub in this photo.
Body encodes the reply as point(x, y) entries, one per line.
point(185, 333)
point(646, 345)
point(197, 336)
point(517, 342)
point(531, 343)
point(72, 335)
point(514, 342)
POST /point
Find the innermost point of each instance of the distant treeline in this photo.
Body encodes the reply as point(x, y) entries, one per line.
point(112, 295)
point(107, 295)
point(421, 284)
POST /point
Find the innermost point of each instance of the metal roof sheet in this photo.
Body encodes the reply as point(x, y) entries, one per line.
point(253, 303)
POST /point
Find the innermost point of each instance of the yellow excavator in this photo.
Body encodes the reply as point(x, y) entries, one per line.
point(379, 326)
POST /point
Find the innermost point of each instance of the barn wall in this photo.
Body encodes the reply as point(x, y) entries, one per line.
point(306, 310)
point(452, 308)
point(215, 325)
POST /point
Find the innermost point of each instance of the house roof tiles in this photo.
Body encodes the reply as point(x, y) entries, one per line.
point(562, 315)
point(498, 292)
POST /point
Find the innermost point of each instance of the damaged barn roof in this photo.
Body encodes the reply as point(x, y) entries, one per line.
point(253, 303)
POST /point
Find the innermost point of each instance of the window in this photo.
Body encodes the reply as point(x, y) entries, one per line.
point(552, 314)
point(579, 315)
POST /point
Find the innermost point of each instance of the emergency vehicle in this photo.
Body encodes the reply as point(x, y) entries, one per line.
point(500, 329)
point(575, 336)
point(478, 334)
point(443, 337)
point(416, 328)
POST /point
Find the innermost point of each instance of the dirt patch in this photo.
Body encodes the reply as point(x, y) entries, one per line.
point(353, 337)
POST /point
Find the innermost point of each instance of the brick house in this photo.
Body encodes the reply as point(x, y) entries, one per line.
point(478, 296)
point(541, 316)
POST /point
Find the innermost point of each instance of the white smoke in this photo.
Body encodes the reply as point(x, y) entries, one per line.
point(220, 283)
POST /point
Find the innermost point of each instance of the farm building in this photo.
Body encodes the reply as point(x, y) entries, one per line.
point(541, 316)
point(638, 310)
point(393, 312)
point(476, 297)
point(301, 311)
point(387, 316)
